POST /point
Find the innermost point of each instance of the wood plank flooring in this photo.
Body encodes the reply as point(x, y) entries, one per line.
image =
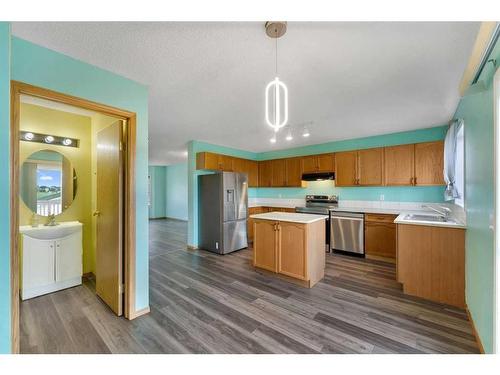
point(206, 303)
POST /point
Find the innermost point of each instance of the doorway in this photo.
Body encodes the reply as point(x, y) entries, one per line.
point(117, 161)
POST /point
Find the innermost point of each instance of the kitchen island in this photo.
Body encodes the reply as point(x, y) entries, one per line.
point(290, 245)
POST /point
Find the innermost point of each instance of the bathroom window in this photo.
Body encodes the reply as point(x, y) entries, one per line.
point(460, 167)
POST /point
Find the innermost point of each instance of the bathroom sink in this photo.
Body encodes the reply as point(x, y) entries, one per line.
point(428, 218)
point(42, 232)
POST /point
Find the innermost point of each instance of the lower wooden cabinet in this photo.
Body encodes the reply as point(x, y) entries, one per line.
point(431, 262)
point(380, 236)
point(291, 249)
point(261, 210)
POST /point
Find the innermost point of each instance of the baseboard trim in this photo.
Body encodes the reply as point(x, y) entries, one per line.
point(139, 313)
point(158, 218)
point(176, 219)
point(380, 258)
point(476, 335)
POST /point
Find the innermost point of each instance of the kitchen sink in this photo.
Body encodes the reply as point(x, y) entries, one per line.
point(428, 218)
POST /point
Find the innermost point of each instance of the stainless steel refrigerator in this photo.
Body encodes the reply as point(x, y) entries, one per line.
point(222, 212)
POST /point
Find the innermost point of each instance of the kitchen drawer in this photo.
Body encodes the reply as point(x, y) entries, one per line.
point(381, 218)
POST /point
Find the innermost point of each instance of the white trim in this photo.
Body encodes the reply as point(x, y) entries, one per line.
point(496, 219)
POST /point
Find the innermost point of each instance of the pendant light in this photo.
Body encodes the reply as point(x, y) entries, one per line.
point(276, 92)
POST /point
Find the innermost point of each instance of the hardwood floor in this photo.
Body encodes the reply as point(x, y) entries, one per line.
point(206, 303)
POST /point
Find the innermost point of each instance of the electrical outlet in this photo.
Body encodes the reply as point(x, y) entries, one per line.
point(382, 197)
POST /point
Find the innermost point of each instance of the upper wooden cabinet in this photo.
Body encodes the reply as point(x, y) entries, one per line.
point(419, 164)
point(405, 165)
point(399, 165)
point(429, 163)
point(346, 168)
point(252, 168)
point(360, 168)
point(370, 167)
point(318, 163)
point(278, 173)
point(265, 173)
point(293, 172)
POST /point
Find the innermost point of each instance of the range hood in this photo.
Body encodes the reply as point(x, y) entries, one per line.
point(320, 176)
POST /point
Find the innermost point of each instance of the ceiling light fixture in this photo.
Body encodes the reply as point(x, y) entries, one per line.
point(67, 141)
point(49, 139)
point(289, 136)
point(29, 136)
point(276, 92)
point(273, 139)
point(305, 132)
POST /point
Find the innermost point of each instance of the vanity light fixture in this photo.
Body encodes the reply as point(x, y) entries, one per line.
point(29, 136)
point(276, 92)
point(48, 139)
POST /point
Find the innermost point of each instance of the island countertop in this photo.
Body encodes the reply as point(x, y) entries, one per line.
point(291, 217)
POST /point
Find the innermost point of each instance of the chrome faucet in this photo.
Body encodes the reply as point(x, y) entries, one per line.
point(51, 221)
point(445, 213)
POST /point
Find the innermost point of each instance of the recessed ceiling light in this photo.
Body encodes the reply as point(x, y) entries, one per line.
point(49, 139)
point(29, 136)
point(67, 141)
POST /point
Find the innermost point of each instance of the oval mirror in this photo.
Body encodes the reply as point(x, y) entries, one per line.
point(48, 182)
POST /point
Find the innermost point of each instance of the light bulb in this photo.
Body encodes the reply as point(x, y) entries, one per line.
point(289, 136)
point(306, 133)
point(273, 139)
point(67, 142)
point(49, 139)
point(29, 136)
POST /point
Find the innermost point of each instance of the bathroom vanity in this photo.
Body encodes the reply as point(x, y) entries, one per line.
point(51, 258)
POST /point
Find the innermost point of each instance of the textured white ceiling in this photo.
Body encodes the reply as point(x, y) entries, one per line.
point(207, 80)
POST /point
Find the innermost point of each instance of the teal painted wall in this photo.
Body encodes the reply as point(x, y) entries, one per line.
point(477, 110)
point(177, 191)
point(46, 68)
point(398, 194)
point(5, 330)
point(158, 180)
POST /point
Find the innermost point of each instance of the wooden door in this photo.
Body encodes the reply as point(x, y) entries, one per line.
point(429, 163)
point(278, 173)
point(265, 173)
point(380, 239)
point(325, 163)
point(309, 164)
point(239, 165)
point(371, 167)
point(345, 168)
point(293, 172)
point(292, 250)
point(252, 168)
point(226, 163)
point(207, 160)
point(265, 245)
point(109, 252)
point(399, 162)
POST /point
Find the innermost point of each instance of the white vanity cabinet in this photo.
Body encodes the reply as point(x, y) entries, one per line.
point(51, 258)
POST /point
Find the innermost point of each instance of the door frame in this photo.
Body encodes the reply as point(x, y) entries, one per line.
point(129, 230)
point(496, 207)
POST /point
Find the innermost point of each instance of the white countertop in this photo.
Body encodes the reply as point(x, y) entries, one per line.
point(289, 217)
point(369, 210)
point(449, 224)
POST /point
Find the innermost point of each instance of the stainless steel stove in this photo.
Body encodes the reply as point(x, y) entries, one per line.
point(320, 205)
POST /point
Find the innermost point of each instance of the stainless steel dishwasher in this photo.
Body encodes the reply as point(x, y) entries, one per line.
point(347, 232)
